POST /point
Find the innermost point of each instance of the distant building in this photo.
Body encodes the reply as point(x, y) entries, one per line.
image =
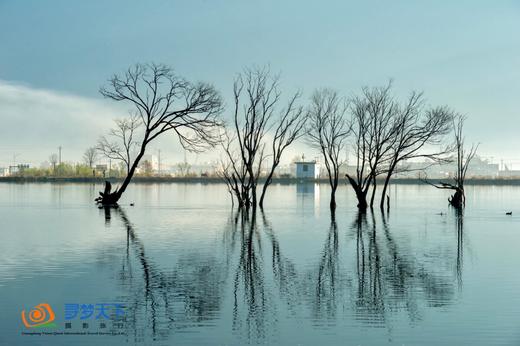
point(509, 173)
point(307, 170)
point(4, 172)
point(478, 168)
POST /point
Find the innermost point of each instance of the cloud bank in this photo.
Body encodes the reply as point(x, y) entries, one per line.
point(34, 122)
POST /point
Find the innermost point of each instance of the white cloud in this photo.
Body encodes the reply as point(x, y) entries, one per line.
point(34, 122)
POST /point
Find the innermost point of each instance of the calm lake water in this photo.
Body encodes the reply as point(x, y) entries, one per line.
point(188, 270)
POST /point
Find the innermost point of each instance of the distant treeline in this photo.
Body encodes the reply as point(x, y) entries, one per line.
point(218, 180)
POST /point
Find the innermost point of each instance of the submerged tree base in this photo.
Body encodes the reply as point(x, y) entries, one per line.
point(457, 200)
point(361, 193)
point(108, 198)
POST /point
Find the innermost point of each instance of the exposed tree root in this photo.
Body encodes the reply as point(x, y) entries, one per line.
point(108, 198)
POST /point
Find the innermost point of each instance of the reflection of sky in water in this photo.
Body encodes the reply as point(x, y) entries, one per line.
point(191, 271)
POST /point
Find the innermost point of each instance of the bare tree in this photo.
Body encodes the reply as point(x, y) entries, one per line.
point(184, 168)
point(120, 143)
point(327, 130)
point(374, 131)
point(414, 129)
point(90, 156)
point(53, 160)
point(291, 127)
point(464, 157)
point(256, 95)
point(147, 168)
point(164, 102)
point(234, 172)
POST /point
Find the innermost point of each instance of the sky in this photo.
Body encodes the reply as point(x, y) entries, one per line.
point(55, 55)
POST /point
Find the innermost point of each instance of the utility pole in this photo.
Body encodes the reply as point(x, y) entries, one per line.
point(14, 163)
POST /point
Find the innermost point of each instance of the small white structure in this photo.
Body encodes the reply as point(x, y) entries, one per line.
point(307, 170)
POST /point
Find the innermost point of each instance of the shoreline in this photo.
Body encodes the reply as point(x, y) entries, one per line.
point(215, 180)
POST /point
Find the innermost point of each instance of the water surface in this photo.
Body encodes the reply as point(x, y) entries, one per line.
point(190, 270)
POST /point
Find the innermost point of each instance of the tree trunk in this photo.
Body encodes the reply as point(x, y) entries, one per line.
point(374, 187)
point(333, 181)
point(253, 194)
point(360, 194)
point(107, 197)
point(264, 188)
point(385, 187)
point(268, 182)
point(333, 199)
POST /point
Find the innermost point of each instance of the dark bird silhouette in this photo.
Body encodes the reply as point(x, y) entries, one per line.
point(509, 213)
point(131, 204)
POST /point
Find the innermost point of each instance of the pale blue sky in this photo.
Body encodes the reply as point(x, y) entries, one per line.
point(462, 53)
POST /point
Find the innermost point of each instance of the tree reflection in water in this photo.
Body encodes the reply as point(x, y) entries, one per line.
point(459, 216)
point(160, 300)
point(370, 297)
point(248, 278)
point(392, 278)
point(254, 310)
point(385, 277)
point(372, 275)
point(284, 270)
point(327, 276)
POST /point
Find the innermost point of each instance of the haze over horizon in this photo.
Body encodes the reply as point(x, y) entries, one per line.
point(56, 55)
